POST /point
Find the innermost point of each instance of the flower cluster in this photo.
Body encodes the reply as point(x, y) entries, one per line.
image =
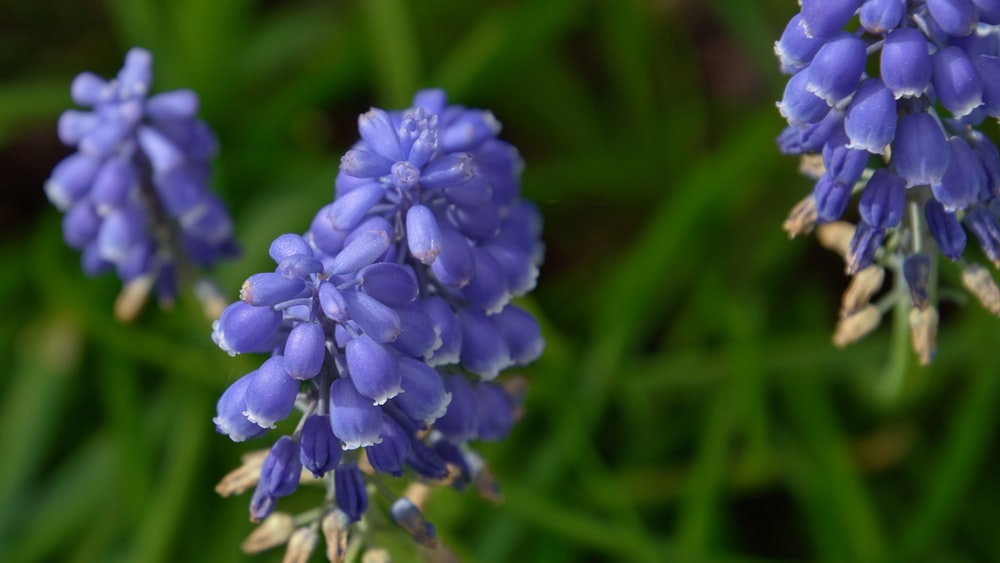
point(904, 136)
point(388, 320)
point(135, 193)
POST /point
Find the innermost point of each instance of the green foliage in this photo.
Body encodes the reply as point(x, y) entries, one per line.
point(689, 406)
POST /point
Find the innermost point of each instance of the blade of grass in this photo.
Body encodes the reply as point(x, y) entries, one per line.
point(395, 50)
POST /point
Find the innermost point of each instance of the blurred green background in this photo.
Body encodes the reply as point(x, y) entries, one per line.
point(689, 407)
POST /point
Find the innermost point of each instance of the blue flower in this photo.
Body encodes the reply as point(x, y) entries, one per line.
point(904, 136)
point(136, 192)
point(387, 320)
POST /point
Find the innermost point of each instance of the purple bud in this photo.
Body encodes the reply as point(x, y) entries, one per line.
point(956, 82)
point(988, 156)
point(426, 462)
point(945, 229)
point(364, 164)
point(831, 199)
point(377, 320)
point(522, 334)
point(917, 273)
point(391, 284)
point(353, 417)
point(795, 49)
point(288, 245)
point(378, 132)
point(431, 100)
point(320, 449)
point(349, 490)
point(883, 200)
point(136, 74)
point(484, 350)
point(983, 225)
point(80, 225)
point(113, 185)
point(477, 223)
point(321, 234)
point(279, 475)
point(245, 328)
point(349, 209)
point(989, 11)
point(450, 170)
point(261, 505)
point(388, 455)
point(870, 121)
point(520, 271)
point(476, 192)
point(906, 62)
point(836, 69)
point(988, 68)
point(121, 230)
point(229, 418)
point(880, 16)
point(298, 266)
point(423, 238)
point(305, 350)
point(269, 289)
point(843, 164)
point(494, 411)
point(424, 397)
point(271, 393)
point(88, 89)
point(332, 302)
point(417, 336)
point(955, 17)
point(822, 18)
point(812, 137)
point(453, 267)
point(447, 328)
point(920, 150)
point(74, 125)
point(103, 140)
point(800, 106)
point(405, 175)
point(960, 185)
point(163, 154)
point(71, 178)
point(176, 104)
point(861, 251)
point(363, 250)
point(374, 369)
point(469, 130)
point(459, 423)
point(488, 288)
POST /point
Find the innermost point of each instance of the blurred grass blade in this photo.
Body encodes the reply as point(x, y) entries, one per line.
point(395, 50)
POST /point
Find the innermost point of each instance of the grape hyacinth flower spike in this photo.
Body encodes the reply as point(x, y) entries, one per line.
point(905, 138)
point(135, 192)
point(387, 324)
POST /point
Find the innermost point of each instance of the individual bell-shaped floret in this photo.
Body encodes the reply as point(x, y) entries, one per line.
point(956, 82)
point(348, 210)
point(983, 226)
point(424, 397)
point(319, 448)
point(353, 417)
point(883, 200)
point(870, 121)
point(494, 412)
point(845, 165)
point(800, 106)
point(417, 336)
point(244, 328)
point(989, 158)
point(80, 224)
point(961, 183)
point(391, 284)
point(955, 17)
point(905, 62)
point(305, 350)
point(459, 423)
point(522, 334)
point(484, 350)
point(376, 319)
point(270, 396)
point(389, 455)
point(373, 368)
point(920, 150)
point(831, 199)
point(423, 236)
point(988, 67)
point(448, 330)
point(945, 228)
point(229, 418)
point(822, 18)
point(795, 49)
point(279, 475)
point(488, 289)
point(880, 16)
point(349, 490)
point(454, 264)
point(269, 288)
point(836, 69)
